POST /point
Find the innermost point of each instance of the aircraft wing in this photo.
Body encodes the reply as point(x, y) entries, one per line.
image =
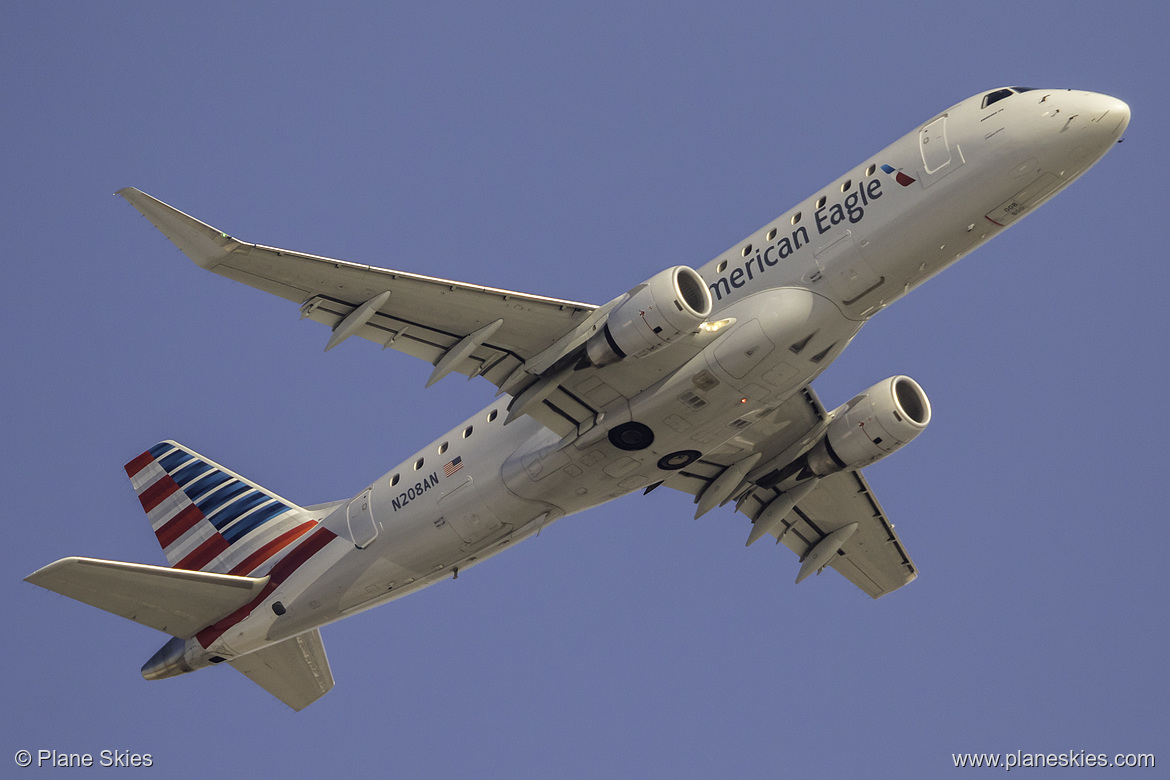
point(873, 558)
point(508, 337)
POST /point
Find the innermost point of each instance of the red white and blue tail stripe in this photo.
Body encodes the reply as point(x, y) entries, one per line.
point(208, 518)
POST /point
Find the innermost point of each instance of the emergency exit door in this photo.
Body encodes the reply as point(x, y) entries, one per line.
point(360, 514)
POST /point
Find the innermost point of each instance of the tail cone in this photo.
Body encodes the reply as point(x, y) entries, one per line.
point(170, 660)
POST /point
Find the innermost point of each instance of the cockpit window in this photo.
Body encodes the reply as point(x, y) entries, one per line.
point(995, 97)
point(1000, 94)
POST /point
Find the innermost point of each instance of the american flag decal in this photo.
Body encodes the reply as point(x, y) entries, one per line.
point(451, 466)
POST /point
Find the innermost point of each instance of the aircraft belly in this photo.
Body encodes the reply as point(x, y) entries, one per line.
point(415, 526)
point(781, 340)
point(468, 515)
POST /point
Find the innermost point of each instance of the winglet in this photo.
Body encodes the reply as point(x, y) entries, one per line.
point(199, 241)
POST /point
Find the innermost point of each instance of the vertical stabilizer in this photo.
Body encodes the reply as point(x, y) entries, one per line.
point(208, 518)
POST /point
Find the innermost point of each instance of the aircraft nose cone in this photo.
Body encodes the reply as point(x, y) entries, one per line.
point(1098, 119)
point(1110, 114)
point(1080, 127)
point(1121, 109)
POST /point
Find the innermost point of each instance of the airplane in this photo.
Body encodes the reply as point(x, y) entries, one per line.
point(696, 380)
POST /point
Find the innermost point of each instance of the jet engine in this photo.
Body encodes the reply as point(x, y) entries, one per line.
point(655, 313)
point(871, 426)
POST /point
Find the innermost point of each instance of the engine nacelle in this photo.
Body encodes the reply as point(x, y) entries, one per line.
point(653, 314)
point(874, 424)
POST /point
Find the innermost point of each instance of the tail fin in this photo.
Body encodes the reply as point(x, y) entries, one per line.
point(208, 518)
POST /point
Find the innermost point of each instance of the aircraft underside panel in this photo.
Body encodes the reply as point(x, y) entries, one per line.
point(468, 515)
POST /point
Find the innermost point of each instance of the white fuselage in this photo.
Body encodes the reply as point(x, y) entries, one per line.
point(799, 289)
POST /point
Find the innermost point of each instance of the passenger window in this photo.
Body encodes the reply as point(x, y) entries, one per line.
point(393, 480)
point(418, 464)
point(467, 431)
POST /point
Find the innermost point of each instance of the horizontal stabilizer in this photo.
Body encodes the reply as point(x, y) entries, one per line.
point(174, 601)
point(296, 671)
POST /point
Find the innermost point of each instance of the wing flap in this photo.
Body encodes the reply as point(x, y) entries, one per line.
point(416, 339)
point(175, 601)
point(296, 670)
point(875, 551)
point(873, 558)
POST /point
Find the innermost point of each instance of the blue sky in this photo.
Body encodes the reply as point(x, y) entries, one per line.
point(574, 151)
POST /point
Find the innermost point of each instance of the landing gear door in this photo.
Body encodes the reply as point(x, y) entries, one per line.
point(360, 515)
